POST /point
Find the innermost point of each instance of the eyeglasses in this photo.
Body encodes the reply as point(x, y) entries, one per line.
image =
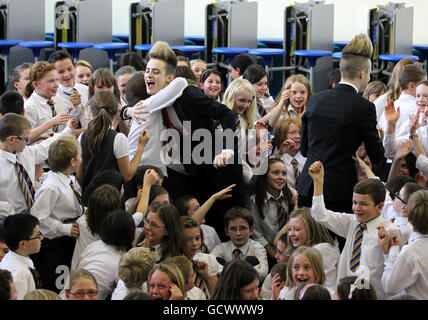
point(26, 140)
point(151, 224)
point(398, 197)
point(39, 236)
point(81, 294)
point(241, 229)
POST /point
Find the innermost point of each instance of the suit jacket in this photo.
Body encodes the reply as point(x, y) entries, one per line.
point(335, 123)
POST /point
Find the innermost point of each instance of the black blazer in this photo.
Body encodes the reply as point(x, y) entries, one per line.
point(335, 123)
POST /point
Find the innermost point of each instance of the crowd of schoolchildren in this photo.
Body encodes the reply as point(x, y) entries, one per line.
point(86, 211)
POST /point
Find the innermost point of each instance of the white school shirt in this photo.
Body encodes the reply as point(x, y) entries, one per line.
point(422, 164)
point(266, 292)
point(286, 158)
point(154, 124)
point(211, 238)
point(65, 92)
point(251, 248)
point(388, 211)
point(56, 202)
point(10, 190)
point(195, 294)
point(407, 104)
point(266, 229)
point(19, 267)
point(291, 113)
point(38, 111)
point(214, 267)
point(380, 104)
point(6, 210)
point(102, 260)
point(346, 225)
point(330, 258)
point(408, 269)
point(406, 228)
point(287, 293)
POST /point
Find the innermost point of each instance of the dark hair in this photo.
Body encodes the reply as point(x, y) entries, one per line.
point(186, 73)
point(312, 292)
point(12, 124)
point(5, 282)
point(395, 184)
point(255, 73)
point(11, 101)
point(189, 223)
point(138, 180)
point(409, 188)
point(411, 164)
point(182, 205)
point(110, 176)
point(283, 237)
point(236, 275)
point(209, 72)
point(104, 108)
point(18, 227)
point(118, 230)
point(344, 287)
point(103, 200)
point(136, 88)
point(137, 295)
point(260, 186)
point(238, 212)
point(372, 187)
point(242, 61)
point(184, 59)
point(333, 77)
point(417, 210)
point(411, 73)
point(125, 70)
point(280, 268)
point(60, 55)
point(105, 77)
point(156, 190)
point(16, 72)
point(132, 59)
point(179, 53)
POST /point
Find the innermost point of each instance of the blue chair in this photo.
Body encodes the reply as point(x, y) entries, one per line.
point(111, 48)
point(122, 37)
point(198, 40)
point(337, 55)
point(312, 56)
point(5, 46)
point(190, 50)
point(36, 46)
point(423, 49)
point(341, 44)
point(143, 47)
point(230, 53)
point(267, 54)
point(272, 42)
point(75, 47)
point(397, 57)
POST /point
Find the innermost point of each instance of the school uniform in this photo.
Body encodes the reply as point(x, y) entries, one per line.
point(291, 113)
point(251, 248)
point(56, 206)
point(388, 211)
point(287, 293)
point(102, 260)
point(290, 167)
point(121, 291)
point(407, 104)
point(422, 164)
point(266, 292)
point(347, 226)
point(78, 111)
point(20, 267)
point(330, 257)
point(211, 238)
point(6, 210)
point(195, 294)
point(214, 268)
point(406, 228)
point(10, 189)
point(267, 228)
point(380, 104)
point(38, 111)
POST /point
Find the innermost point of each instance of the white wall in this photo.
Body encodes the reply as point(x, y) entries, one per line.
point(350, 17)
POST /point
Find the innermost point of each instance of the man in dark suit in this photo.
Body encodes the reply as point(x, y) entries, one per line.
point(335, 124)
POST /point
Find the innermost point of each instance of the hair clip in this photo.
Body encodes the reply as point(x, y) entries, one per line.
point(302, 292)
point(356, 285)
point(42, 67)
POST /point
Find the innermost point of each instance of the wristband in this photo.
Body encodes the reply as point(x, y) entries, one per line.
point(122, 113)
point(413, 136)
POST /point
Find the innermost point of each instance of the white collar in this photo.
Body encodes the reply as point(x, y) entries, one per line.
point(68, 90)
point(268, 195)
point(25, 260)
point(40, 99)
point(414, 236)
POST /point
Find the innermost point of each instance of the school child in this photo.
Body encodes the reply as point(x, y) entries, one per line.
point(281, 257)
point(11, 101)
point(205, 265)
point(132, 59)
point(122, 76)
point(210, 84)
point(239, 64)
point(57, 205)
point(82, 286)
point(293, 97)
point(271, 204)
point(102, 147)
point(305, 266)
point(239, 226)
point(23, 237)
point(20, 77)
point(84, 72)
point(406, 269)
point(7, 286)
point(42, 294)
point(102, 257)
point(198, 67)
point(43, 104)
point(238, 281)
point(355, 288)
point(393, 187)
point(361, 254)
point(166, 282)
point(18, 161)
point(74, 95)
point(374, 90)
point(311, 291)
point(287, 141)
point(4, 249)
point(134, 268)
point(333, 78)
point(163, 231)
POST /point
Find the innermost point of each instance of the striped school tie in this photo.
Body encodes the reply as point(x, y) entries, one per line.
point(52, 104)
point(281, 214)
point(236, 252)
point(204, 248)
point(356, 250)
point(238, 132)
point(36, 277)
point(201, 284)
point(25, 183)
point(295, 165)
point(260, 108)
point(79, 199)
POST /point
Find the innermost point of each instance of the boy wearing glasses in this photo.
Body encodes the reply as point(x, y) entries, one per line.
point(239, 226)
point(18, 161)
point(23, 237)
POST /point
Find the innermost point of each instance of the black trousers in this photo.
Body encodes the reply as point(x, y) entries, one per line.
point(53, 262)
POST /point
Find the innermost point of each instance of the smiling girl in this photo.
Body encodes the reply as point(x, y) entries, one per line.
point(210, 82)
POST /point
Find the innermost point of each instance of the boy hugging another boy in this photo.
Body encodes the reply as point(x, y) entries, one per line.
point(361, 255)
